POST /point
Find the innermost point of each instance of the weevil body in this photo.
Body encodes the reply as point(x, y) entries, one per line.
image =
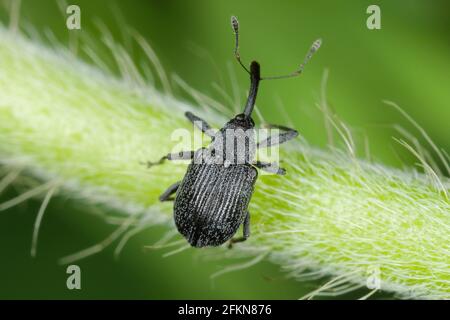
point(211, 202)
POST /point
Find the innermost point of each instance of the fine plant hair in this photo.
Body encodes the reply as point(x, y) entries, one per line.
point(83, 132)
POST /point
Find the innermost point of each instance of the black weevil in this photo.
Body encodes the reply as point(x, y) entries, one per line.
point(211, 201)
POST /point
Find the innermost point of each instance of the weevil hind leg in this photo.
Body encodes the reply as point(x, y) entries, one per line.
point(182, 155)
point(200, 123)
point(167, 195)
point(285, 135)
point(246, 232)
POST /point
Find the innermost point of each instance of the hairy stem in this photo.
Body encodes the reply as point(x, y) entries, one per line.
point(332, 214)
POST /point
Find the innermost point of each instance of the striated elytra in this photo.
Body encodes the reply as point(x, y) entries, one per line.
point(211, 202)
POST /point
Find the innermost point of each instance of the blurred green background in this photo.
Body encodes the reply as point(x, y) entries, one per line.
point(407, 61)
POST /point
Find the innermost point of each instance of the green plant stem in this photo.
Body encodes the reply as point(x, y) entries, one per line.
point(331, 214)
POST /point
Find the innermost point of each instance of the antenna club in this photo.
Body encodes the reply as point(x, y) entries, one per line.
point(234, 24)
point(316, 45)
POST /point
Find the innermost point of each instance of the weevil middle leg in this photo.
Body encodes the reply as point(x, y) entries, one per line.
point(167, 195)
point(182, 155)
point(246, 232)
point(285, 135)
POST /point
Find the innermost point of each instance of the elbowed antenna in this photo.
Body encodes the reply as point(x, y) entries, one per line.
point(314, 47)
point(254, 71)
point(235, 25)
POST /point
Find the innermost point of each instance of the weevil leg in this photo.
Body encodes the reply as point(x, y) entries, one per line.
point(166, 196)
point(182, 155)
point(200, 123)
point(271, 167)
point(285, 135)
point(246, 232)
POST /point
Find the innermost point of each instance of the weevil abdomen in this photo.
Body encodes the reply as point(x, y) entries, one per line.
point(212, 202)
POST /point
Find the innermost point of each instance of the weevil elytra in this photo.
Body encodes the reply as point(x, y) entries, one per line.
point(211, 202)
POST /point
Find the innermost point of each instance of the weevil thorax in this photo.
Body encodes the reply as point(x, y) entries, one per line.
point(235, 142)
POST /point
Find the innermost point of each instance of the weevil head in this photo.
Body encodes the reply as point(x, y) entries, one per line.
point(240, 121)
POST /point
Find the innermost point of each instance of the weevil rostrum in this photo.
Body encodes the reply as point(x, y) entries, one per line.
point(211, 202)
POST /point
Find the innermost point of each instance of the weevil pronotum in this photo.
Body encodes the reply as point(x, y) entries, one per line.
point(211, 202)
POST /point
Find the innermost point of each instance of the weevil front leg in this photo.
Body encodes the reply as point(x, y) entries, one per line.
point(285, 135)
point(200, 123)
point(182, 155)
point(246, 232)
point(166, 196)
point(271, 167)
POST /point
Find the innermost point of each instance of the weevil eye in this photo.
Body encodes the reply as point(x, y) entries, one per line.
point(240, 117)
